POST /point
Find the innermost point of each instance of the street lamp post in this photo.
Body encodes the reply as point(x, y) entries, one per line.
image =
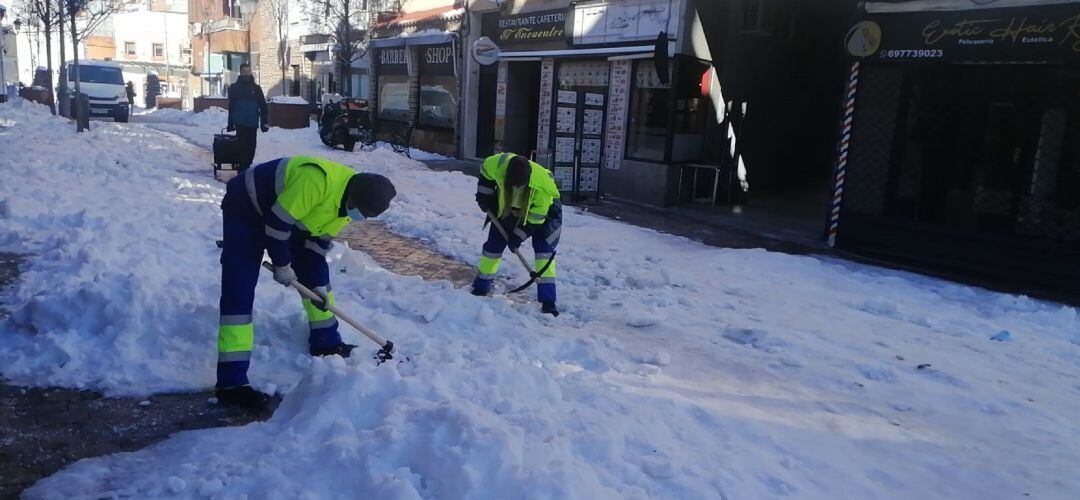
point(81, 121)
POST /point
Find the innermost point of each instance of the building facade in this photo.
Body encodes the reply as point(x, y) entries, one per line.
point(220, 42)
point(962, 139)
point(147, 38)
point(416, 66)
point(608, 94)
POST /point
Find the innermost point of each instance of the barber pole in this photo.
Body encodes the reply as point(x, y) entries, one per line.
point(845, 144)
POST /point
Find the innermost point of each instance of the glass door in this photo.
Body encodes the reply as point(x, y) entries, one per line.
point(579, 124)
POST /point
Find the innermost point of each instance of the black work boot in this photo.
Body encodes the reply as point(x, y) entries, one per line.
point(342, 349)
point(549, 308)
point(478, 293)
point(244, 397)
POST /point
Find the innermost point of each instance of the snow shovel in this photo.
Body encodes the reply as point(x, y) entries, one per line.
point(533, 275)
point(386, 351)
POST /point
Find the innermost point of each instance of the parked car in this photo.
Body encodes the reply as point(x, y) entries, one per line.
point(103, 84)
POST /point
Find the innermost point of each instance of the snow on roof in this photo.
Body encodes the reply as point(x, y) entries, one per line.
point(951, 5)
point(448, 12)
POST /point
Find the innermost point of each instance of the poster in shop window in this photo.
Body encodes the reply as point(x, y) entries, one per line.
point(567, 97)
point(589, 179)
point(564, 178)
point(590, 151)
point(616, 120)
point(594, 122)
point(594, 99)
point(566, 120)
point(564, 150)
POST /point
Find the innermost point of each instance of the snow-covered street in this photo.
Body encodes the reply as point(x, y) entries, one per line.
point(677, 370)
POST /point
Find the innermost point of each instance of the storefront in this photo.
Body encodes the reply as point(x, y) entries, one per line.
point(577, 88)
point(961, 143)
point(416, 63)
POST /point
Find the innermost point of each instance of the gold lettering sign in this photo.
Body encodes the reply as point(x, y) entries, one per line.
point(531, 34)
point(1071, 26)
point(1015, 30)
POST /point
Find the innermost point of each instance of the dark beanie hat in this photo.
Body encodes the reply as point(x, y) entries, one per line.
point(519, 172)
point(371, 193)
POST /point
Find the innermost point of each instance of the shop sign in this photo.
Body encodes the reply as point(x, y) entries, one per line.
point(485, 51)
point(393, 61)
point(1031, 34)
point(437, 60)
point(543, 26)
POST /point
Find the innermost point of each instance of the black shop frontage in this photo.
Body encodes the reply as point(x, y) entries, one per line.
point(961, 142)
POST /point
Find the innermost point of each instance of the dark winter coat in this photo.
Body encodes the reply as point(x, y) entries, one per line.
point(247, 103)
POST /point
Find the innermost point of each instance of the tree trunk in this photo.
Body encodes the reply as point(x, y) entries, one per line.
point(282, 53)
point(48, 56)
point(62, 93)
point(346, 46)
point(79, 113)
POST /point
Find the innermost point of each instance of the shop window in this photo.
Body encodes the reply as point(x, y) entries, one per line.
point(659, 113)
point(438, 87)
point(394, 98)
point(650, 102)
point(691, 111)
point(394, 86)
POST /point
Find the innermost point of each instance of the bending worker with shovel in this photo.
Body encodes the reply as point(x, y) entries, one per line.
point(522, 201)
point(291, 208)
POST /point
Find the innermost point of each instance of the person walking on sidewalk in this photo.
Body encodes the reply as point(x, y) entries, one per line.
point(247, 114)
point(291, 208)
point(525, 200)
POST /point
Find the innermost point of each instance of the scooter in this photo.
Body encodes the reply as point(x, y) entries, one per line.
point(345, 121)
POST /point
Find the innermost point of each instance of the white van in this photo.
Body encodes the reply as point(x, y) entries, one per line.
point(103, 83)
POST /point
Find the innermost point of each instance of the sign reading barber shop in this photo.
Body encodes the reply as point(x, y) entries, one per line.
point(437, 59)
point(1048, 33)
point(393, 61)
point(543, 26)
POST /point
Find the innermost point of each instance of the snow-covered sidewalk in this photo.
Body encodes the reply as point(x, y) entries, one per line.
point(677, 371)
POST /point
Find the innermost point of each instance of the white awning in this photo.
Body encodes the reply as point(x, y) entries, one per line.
point(426, 37)
point(599, 51)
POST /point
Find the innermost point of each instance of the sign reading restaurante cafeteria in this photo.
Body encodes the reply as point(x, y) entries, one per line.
point(543, 26)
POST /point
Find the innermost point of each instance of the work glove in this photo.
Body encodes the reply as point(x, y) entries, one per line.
point(515, 239)
point(284, 274)
point(231, 128)
point(265, 128)
point(320, 304)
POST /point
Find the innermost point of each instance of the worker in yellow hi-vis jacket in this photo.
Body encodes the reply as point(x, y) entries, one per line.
point(291, 208)
point(523, 196)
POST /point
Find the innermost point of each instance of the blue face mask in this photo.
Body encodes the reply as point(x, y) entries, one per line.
point(354, 214)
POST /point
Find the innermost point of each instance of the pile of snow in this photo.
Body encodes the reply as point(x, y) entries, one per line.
point(213, 117)
point(282, 99)
point(676, 371)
